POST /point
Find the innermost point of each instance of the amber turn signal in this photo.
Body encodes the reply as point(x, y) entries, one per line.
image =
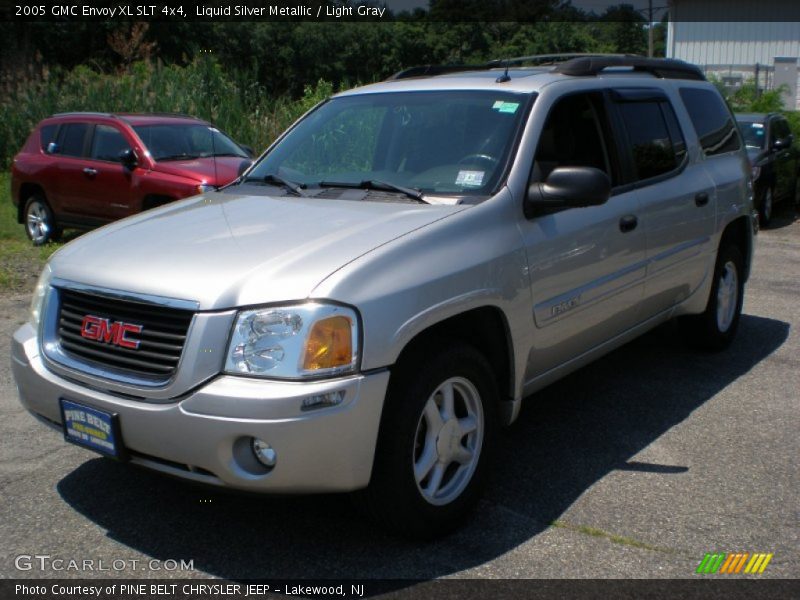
point(329, 344)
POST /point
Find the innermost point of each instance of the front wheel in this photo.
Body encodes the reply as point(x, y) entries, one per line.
point(436, 434)
point(715, 329)
point(766, 208)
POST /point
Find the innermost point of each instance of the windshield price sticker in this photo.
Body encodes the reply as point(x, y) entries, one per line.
point(505, 107)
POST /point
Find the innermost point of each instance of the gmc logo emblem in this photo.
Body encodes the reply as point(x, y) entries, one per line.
point(103, 330)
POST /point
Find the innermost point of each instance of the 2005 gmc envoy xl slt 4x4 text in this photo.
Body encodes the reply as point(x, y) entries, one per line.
point(372, 299)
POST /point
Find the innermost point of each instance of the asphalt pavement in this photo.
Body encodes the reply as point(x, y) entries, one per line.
point(635, 466)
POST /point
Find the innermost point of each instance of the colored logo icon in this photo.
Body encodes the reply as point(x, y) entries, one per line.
point(734, 562)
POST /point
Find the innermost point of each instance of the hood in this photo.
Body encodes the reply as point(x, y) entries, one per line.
point(203, 169)
point(225, 250)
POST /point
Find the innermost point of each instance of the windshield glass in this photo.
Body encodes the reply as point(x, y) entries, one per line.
point(754, 133)
point(453, 142)
point(181, 142)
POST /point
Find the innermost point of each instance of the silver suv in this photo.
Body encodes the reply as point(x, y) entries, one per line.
point(374, 297)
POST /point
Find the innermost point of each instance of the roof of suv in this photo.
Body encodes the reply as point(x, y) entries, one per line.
point(510, 75)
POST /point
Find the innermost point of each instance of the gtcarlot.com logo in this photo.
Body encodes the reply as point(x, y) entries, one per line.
point(731, 563)
point(46, 562)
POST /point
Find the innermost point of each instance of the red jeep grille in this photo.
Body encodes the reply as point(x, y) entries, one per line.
point(161, 339)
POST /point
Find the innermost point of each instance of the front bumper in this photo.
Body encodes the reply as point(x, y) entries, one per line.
point(204, 435)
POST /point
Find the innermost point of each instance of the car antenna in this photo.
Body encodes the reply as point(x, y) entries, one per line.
point(504, 77)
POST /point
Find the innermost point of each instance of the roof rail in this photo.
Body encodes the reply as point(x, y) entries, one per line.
point(433, 70)
point(664, 68)
point(78, 113)
point(544, 59)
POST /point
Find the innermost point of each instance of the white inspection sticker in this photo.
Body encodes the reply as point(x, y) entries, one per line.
point(505, 107)
point(470, 178)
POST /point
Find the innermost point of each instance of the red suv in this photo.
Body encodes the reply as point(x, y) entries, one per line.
point(86, 169)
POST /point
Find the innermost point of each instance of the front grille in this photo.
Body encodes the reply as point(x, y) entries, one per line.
point(161, 339)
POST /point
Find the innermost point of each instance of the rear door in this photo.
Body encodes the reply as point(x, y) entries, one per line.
point(676, 197)
point(69, 164)
point(785, 159)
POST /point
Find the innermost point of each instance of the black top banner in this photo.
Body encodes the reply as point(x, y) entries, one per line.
point(391, 10)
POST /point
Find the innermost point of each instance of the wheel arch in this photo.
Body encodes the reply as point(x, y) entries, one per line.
point(26, 190)
point(740, 233)
point(487, 330)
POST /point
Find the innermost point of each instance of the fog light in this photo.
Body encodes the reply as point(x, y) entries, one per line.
point(322, 400)
point(264, 453)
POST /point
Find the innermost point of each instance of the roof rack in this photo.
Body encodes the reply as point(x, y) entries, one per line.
point(664, 68)
point(544, 59)
point(79, 113)
point(433, 70)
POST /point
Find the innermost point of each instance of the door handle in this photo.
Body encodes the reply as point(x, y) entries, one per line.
point(701, 199)
point(90, 172)
point(628, 223)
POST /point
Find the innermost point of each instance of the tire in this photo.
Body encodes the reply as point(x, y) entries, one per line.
point(715, 329)
point(40, 224)
point(403, 495)
point(766, 208)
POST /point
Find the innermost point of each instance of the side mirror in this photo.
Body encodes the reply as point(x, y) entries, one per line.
point(52, 148)
point(248, 149)
point(128, 159)
point(243, 166)
point(783, 143)
point(568, 187)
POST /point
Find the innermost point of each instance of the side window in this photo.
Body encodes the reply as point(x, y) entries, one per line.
point(47, 134)
point(780, 129)
point(656, 147)
point(108, 143)
point(712, 121)
point(72, 139)
point(573, 136)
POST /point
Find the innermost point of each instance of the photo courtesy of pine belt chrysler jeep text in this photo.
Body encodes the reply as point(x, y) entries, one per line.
point(371, 300)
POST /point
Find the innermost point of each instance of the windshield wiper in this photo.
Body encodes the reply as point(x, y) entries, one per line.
point(273, 179)
point(374, 184)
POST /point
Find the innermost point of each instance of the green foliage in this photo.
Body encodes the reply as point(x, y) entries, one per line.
point(233, 101)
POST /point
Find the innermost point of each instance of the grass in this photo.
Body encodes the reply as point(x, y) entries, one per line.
point(616, 539)
point(20, 261)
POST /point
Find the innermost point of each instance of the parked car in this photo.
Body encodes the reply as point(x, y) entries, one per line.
point(379, 292)
point(775, 160)
point(87, 169)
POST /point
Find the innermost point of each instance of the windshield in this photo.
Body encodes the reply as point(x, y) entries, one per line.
point(186, 141)
point(452, 142)
point(754, 133)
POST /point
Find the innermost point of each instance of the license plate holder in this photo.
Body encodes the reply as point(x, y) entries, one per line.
point(92, 428)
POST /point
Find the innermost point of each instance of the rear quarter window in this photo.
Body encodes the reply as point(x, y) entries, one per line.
point(712, 121)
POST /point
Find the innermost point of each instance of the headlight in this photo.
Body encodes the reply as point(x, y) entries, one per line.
point(202, 188)
point(294, 342)
point(39, 294)
point(755, 172)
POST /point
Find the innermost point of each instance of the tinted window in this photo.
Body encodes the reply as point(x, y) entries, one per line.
point(780, 129)
point(572, 136)
point(654, 150)
point(72, 139)
point(753, 133)
point(186, 141)
point(47, 134)
point(108, 143)
point(712, 121)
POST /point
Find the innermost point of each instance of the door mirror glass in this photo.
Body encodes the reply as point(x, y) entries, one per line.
point(568, 187)
point(52, 148)
point(128, 159)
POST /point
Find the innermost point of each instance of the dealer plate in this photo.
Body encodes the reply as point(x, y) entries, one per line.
point(91, 428)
